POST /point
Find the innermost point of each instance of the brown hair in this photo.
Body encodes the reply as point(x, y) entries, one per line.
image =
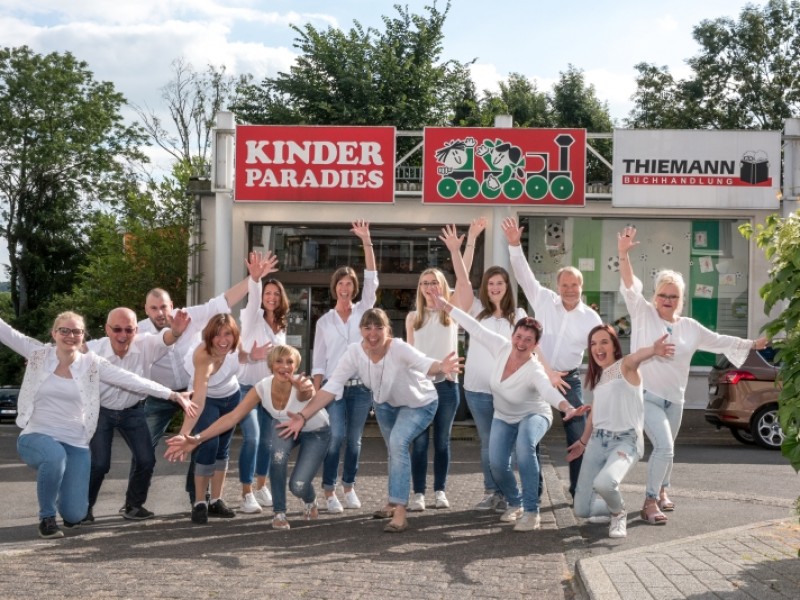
point(595, 370)
point(340, 274)
point(282, 312)
point(532, 324)
point(508, 307)
point(376, 317)
point(214, 327)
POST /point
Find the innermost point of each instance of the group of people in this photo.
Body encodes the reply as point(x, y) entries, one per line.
point(199, 360)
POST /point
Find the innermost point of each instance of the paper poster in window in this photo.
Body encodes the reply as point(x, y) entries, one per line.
point(703, 291)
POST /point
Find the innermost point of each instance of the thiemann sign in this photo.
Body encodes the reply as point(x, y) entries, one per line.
point(504, 166)
point(314, 164)
point(696, 169)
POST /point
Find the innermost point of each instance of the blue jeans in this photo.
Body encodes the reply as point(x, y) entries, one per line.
point(481, 405)
point(313, 447)
point(449, 399)
point(256, 437)
point(62, 475)
point(608, 457)
point(132, 426)
point(212, 455)
point(524, 437)
point(159, 414)
point(347, 416)
point(399, 426)
point(574, 427)
point(662, 420)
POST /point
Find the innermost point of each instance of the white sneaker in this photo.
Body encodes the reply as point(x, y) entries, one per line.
point(334, 506)
point(512, 514)
point(441, 500)
point(351, 499)
point(619, 526)
point(417, 503)
point(263, 497)
point(528, 522)
point(249, 504)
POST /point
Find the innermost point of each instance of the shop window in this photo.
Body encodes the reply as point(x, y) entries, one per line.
point(710, 254)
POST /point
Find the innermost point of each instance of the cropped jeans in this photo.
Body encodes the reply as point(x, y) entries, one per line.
point(574, 427)
point(212, 455)
point(608, 458)
point(347, 417)
point(481, 406)
point(313, 447)
point(62, 475)
point(662, 420)
point(522, 437)
point(449, 399)
point(254, 454)
point(400, 425)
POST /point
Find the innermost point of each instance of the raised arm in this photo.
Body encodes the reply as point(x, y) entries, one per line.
point(361, 230)
point(475, 229)
point(177, 325)
point(462, 298)
point(262, 264)
point(18, 342)
point(626, 240)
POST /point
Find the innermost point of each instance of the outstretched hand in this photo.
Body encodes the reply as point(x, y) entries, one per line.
point(360, 229)
point(662, 348)
point(179, 447)
point(179, 321)
point(575, 450)
point(477, 227)
point(451, 239)
point(573, 412)
point(292, 427)
point(626, 239)
point(512, 231)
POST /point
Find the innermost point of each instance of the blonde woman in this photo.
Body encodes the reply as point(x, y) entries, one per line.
point(432, 332)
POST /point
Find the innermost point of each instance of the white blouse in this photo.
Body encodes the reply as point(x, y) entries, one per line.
point(264, 390)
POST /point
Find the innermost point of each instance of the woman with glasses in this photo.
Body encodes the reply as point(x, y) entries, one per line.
point(496, 309)
point(665, 378)
point(264, 320)
point(58, 408)
point(334, 332)
point(398, 376)
point(522, 395)
point(432, 332)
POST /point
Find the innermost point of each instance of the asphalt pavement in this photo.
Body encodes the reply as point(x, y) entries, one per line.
point(742, 543)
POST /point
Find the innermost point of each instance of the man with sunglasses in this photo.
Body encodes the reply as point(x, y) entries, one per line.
point(123, 410)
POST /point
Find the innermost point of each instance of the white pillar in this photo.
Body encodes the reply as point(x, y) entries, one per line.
point(791, 167)
point(222, 181)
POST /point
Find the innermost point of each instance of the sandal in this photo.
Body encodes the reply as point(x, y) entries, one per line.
point(652, 514)
point(279, 521)
point(395, 527)
point(383, 513)
point(665, 504)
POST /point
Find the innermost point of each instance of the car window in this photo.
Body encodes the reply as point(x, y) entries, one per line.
point(768, 354)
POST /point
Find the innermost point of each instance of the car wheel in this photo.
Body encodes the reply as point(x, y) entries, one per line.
point(743, 436)
point(766, 428)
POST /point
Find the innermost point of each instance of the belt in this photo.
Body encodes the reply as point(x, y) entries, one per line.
point(352, 382)
point(572, 373)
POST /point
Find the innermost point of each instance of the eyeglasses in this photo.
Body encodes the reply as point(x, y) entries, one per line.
point(669, 297)
point(428, 283)
point(128, 330)
point(65, 331)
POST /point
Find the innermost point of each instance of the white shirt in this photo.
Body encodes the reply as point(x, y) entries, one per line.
point(142, 353)
point(398, 379)
point(264, 390)
point(221, 384)
point(332, 335)
point(169, 369)
point(434, 339)
point(478, 367)
point(666, 377)
point(256, 330)
point(566, 332)
point(617, 405)
point(526, 391)
point(58, 412)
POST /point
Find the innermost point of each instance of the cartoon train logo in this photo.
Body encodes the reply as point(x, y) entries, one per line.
point(507, 170)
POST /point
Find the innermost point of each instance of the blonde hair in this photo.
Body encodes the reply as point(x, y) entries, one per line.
point(666, 277)
point(68, 314)
point(280, 351)
point(444, 318)
point(572, 271)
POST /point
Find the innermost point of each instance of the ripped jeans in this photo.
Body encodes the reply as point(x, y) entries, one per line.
point(313, 446)
point(608, 457)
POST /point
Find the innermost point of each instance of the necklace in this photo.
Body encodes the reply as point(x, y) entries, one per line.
point(376, 393)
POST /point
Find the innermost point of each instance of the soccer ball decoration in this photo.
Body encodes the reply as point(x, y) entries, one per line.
point(666, 248)
point(653, 273)
point(643, 257)
point(537, 258)
point(555, 231)
point(613, 264)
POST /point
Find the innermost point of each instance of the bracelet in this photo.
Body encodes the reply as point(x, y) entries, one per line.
point(302, 416)
point(175, 335)
point(370, 245)
point(470, 246)
point(581, 441)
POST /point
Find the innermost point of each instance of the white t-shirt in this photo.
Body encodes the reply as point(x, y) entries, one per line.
point(221, 384)
point(434, 339)
point(59, 411)
point(264, 390)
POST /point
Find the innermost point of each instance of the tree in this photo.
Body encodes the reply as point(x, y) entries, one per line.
point(63, 149)
point(193, 100)
point(746, 75)
point(780, 240)
point(523, 101)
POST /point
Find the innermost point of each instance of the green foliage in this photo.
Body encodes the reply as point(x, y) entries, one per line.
point(746, 75)
point(63, 150)
point(780, 239)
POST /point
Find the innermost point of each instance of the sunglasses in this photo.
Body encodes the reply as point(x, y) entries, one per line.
point(128, 330)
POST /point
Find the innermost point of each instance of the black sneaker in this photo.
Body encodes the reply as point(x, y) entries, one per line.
point(71, 525)
point(48, 528)
point(137, 513)
point(220, 509)
point(89, 518)
point(200, 513)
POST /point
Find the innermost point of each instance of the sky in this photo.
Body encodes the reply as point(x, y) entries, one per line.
point(132, 43)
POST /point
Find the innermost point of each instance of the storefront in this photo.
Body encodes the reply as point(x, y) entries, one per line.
point(536, 176)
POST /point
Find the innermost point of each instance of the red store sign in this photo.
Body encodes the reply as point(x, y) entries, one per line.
point(314, 164)
point(504, 166)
